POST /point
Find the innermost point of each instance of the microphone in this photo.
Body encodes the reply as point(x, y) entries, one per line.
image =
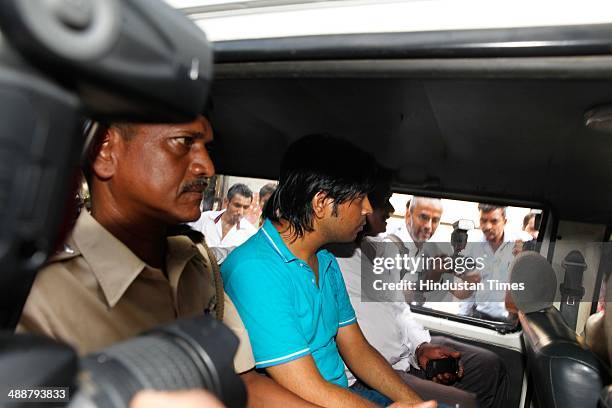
point(537, 282)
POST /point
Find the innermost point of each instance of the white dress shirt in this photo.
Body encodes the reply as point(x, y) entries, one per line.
point(497, 268)
point(388, 326)
point(210, 225)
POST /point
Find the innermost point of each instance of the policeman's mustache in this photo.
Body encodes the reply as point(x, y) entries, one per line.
point(196, 186)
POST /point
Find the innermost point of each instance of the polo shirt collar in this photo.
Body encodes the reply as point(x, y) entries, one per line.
point(115, 266)
point(276, 242)
point(325, 260)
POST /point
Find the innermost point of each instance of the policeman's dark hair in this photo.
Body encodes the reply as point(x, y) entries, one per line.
point(313, 164)
point(486, 208)
point(527, 218)
point(241, 189)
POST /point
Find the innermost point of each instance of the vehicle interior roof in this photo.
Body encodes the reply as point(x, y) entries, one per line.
point(491, 127)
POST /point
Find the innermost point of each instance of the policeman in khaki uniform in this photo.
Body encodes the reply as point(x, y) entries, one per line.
point(120, 272)
point(90, 294)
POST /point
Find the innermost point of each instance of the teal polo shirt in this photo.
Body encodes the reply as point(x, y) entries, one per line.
point(286, 314)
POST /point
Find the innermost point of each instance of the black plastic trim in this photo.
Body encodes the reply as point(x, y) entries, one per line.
point(572, 67)
point(501, 328)
point(505, 42)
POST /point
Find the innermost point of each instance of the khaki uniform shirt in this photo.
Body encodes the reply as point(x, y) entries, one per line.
point(97, 292)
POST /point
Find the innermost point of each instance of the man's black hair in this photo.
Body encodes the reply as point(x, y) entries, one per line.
point(313, 164)
point(378, 196)
point(381, 191)
point(241, 189)
point(490, 207)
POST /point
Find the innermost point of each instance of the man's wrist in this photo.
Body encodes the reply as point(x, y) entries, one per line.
point(418, 351)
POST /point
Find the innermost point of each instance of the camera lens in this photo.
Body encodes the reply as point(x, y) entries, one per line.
point(188, 354)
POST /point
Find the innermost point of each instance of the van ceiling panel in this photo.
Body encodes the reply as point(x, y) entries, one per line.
point(512, 138)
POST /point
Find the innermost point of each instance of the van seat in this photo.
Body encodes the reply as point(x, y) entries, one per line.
point(563, 372)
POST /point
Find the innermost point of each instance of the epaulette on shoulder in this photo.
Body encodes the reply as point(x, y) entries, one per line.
point(68, 251)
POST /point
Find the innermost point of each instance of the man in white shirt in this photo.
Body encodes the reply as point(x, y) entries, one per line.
point(228, 227)
point(390, 327)
point(495, 243)
point(422, 219)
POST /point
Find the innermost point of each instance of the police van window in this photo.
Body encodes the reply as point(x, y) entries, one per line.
point(454, 256)
point(231, 209)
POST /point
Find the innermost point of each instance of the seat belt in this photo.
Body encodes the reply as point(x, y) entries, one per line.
point(571, 289)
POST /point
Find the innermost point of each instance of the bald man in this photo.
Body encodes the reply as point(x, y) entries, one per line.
point(422, 219)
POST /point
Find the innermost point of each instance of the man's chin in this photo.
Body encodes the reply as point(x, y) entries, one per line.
point(189, 215)
point(346, 239)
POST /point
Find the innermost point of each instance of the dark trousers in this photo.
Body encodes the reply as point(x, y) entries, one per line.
point(484, 383)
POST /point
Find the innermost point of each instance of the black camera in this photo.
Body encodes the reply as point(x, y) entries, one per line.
point(459, 236)
point(192, 353)
point(62, 62)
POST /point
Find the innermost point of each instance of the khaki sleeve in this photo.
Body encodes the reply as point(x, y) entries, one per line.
point(243, 360)
point(33, 319)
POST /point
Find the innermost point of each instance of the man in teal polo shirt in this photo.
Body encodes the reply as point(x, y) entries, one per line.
point(290, 292)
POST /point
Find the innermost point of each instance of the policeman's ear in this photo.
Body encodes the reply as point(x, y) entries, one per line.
point(105, 162)
point(322, 205)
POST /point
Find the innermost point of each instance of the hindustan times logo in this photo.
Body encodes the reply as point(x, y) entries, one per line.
point(428, 286)
point(413, 264)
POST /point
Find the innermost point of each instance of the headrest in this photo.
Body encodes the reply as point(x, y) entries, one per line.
point(538, 279)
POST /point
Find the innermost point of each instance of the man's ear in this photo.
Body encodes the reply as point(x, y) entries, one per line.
point(321, 203)
point(105, 162)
